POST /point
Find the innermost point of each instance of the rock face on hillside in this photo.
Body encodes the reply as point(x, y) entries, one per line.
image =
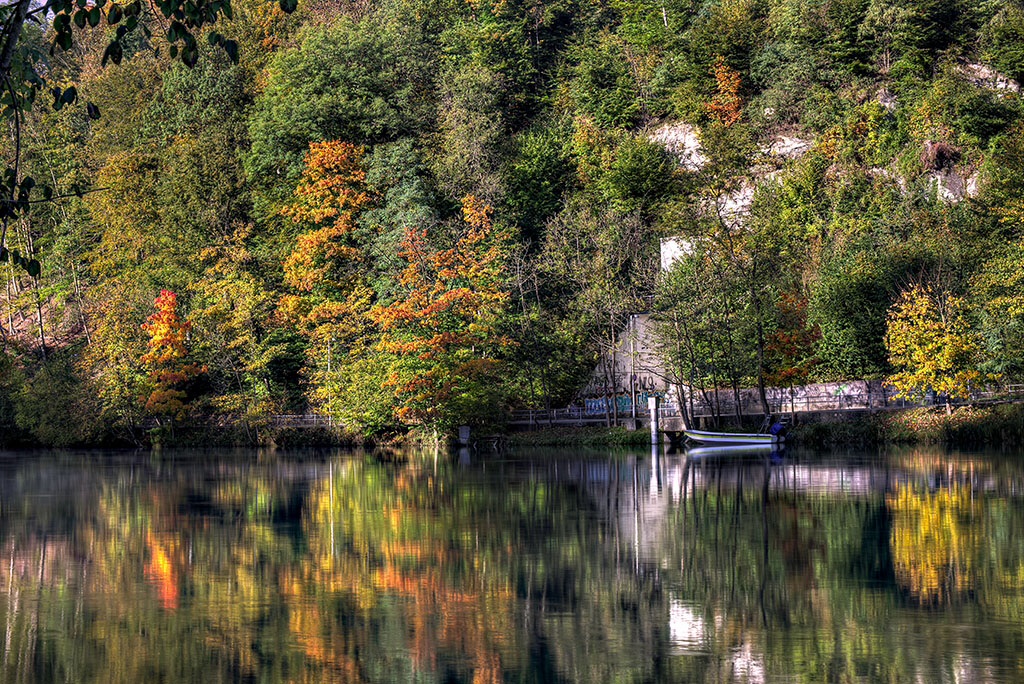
point(950, 179)
point(987, 77)
point(682, 141)
point(672, 249)
point(789, 147)
point(954, 185)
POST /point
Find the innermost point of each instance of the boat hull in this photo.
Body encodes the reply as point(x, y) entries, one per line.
point(733, 438)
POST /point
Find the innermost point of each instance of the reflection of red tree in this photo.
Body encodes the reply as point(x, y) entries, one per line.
point(160, 571)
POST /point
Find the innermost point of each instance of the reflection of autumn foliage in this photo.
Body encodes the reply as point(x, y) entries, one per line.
point(397, 546)
point(160, 570)
point(444, 331)
point(935, 538)
point(726, 107)
point(322, 639)
point(165, 358)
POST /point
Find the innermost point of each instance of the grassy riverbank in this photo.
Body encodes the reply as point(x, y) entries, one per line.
point(965, 426)
point(581, 436)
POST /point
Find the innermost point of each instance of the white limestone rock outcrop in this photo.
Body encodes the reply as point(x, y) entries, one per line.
point(986, 77)
point(682, 141)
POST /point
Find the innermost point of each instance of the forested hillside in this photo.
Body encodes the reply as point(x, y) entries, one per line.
point(414, 213)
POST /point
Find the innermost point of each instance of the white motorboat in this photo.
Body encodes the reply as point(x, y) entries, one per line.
point(751, 438)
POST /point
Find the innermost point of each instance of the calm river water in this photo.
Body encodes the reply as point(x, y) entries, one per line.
point(906, 566)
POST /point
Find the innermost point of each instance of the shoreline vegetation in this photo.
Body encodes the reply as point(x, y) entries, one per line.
point(997, 426)
point(965, 426)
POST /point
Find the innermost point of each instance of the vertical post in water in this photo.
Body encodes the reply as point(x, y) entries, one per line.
point(652, 406)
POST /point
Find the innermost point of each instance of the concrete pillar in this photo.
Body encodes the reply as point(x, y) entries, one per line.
point(652, 406)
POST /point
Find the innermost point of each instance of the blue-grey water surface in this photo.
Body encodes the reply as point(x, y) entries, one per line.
point(542, 566)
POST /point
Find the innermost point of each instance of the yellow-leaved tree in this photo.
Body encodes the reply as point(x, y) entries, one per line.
point(932, 345)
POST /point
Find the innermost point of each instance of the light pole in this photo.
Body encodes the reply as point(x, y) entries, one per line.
point(632, 366)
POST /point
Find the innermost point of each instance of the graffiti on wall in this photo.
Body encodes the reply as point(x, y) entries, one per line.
point(645, 385)
point(602, 405)
point(596, 406)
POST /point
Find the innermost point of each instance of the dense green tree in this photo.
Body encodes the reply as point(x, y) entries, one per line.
point(363, 82)
point(471, 133)
point(601, 262)
point(537, 177)
point(999, 290)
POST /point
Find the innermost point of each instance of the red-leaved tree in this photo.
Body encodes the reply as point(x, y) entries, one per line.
point(167, 359)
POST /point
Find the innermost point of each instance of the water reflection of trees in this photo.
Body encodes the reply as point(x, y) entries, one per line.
point(847, 586)
point(358, 572)
point(599, 570)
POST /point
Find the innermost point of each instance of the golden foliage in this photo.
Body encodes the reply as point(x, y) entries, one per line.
point(329, 195)
point(932, 345)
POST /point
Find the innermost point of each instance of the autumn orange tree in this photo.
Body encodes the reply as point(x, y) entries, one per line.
point(325, 270)
point(443, 334)
point(166, 359)
point(726, 107)
point(932, 345)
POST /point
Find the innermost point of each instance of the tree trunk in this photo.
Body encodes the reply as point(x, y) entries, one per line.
point(760, 355)
point(39, 319)
point(681, 400)
point(737, 408)
point(611, 363)
point(607, 384)
point(81, 303)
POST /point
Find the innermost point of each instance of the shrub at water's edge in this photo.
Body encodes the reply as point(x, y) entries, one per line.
point(967, 425)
